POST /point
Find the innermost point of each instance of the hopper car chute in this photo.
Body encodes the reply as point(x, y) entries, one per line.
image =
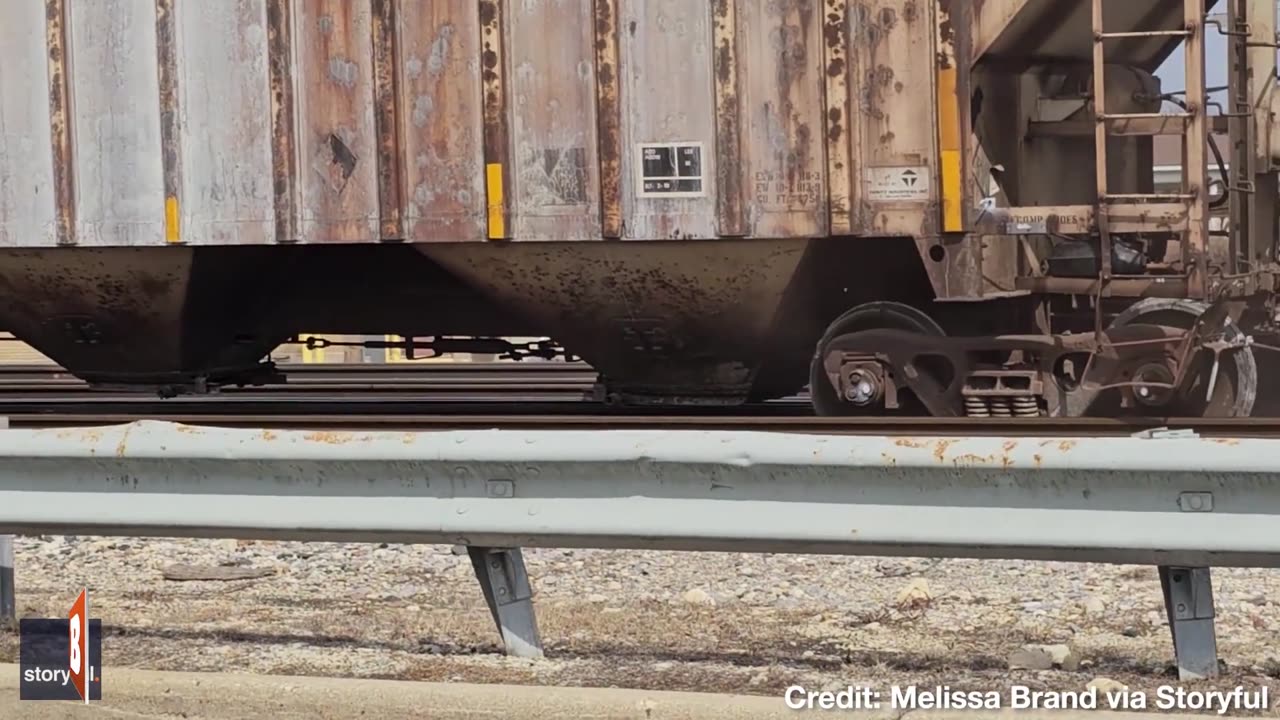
point(911, 206)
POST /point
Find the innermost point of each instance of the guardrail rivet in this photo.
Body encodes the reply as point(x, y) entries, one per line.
point(1196, 502)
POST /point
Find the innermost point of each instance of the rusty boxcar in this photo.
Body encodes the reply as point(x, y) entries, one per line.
point(939, 205)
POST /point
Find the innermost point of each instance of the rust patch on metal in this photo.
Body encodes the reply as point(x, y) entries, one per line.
point(329, 437)
point(840, 150)
point(338, 135)
point(386, 88)
point(170, 141)
point(791, 76)
point(940, 449)
point(729, 161)
point(911, 12)
point(79, 436)
point(60, 120)
point(946, 35)
point(609, 118)
point(497, 134)
point(974, 459)
point(284, 160)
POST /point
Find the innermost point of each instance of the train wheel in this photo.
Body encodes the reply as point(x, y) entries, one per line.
point(870, 316)
point(1231, 394)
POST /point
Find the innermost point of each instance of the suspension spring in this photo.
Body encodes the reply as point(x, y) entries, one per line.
point(1000, 407)
point(1026, 407)
point(976, 407)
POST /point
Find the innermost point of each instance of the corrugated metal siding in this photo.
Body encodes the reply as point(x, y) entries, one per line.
point(442, 119)
point(226, 196)
point(666, 57)
point(27, 209)
point(554, 154)
point(145, 122)
point(115, 122)
point(253, 121)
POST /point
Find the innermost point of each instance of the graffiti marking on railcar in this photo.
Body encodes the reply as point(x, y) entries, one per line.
point(670, 170)
point(555, 176)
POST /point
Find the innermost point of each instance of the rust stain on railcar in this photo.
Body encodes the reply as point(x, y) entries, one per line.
point(497, 133)
point(386, 83)
point(894, 104)
point(338, 138)
point(170, 136)
point(783, 87)
point(60, 121)
point(284, 164)
point(441, 120)
point(731, 205)
point(954, 262)
point(608, 117)
point(840, 125)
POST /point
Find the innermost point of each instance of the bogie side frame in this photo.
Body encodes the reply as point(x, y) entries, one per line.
point(1172, 325)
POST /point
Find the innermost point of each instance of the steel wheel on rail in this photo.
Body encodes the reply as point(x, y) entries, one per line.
point(1231, 394)
point(869, 316)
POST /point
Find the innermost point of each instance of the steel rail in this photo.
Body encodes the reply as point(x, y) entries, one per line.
point(438, 377)
point(437, 368)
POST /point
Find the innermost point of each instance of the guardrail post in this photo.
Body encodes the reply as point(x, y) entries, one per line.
point(510, 598)
point(1188, 600)
point(8, 603)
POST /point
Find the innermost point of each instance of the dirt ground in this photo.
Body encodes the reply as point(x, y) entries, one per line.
point(734, 623)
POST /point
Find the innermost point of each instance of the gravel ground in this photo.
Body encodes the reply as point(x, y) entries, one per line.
point(746, 623)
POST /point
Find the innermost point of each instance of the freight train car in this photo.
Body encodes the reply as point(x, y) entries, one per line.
point(931, 206)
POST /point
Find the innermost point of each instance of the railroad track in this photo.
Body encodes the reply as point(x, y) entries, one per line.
point(563, 379)
point(34, 395)
point(533, 395)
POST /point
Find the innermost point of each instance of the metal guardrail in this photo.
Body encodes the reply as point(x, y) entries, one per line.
point(1178, 501)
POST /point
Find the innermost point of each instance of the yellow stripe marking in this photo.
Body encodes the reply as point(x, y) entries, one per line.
point(952, 218)
point(950, 149)
point(311, 355)
point(394, 355)
point(497, 219)
point(171, 218)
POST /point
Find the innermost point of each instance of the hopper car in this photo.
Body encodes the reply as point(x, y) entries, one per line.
point(940, 207)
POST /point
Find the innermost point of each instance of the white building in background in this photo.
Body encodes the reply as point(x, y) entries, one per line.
point(1167, 154)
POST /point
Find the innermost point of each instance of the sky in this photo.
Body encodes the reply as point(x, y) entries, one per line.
point(1172, 75)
